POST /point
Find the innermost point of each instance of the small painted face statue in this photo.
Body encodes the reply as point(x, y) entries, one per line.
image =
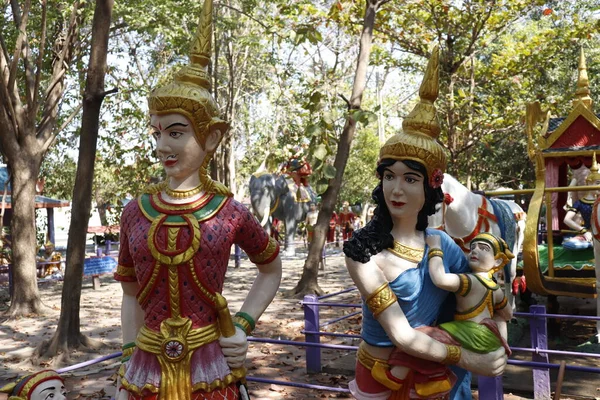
point(43, 385)
point(481, 257)
point(49, 390)
point(403, 190)
point(488, 253)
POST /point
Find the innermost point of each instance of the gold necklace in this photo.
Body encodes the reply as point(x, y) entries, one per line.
point(182, 194)
point(407, 253)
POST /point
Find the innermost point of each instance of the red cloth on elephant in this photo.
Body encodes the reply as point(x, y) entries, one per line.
point(146, 230)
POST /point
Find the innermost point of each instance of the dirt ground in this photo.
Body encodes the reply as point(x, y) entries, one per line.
point(100, 316)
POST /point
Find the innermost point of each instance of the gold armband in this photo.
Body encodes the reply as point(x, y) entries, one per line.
point(435, 253)
point(452, 355)
point(380, 299)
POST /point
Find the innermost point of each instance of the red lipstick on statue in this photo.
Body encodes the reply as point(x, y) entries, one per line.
point(398, 203)
point(170, 161)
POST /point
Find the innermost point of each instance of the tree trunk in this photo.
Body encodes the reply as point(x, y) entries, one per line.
point(68, 334)
point(308, 282)
point(25, 295)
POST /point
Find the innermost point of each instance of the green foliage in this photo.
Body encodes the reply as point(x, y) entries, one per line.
point(283, 68)
point(359, 179)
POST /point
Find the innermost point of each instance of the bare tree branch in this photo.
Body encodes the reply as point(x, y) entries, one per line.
point(3, 45)
point(70, 118)
point(35, 104)
point(55, 90)
point(14, 5)
point(18, 46)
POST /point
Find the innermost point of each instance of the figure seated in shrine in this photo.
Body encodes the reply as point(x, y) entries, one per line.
point(581, 211)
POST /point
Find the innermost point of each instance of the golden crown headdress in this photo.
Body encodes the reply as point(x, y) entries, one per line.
point(189, 94)
point(420, 129)
point(22, 388)
point(594, 171)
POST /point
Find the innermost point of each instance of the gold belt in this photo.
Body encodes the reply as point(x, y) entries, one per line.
point(367, 360)
point(174, 345)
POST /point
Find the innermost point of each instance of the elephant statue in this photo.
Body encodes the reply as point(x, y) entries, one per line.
point(277, 196)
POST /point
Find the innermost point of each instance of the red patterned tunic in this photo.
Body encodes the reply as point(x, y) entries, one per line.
point(179, 256)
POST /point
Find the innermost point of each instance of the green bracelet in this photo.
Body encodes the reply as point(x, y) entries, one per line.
point(128, 345)
point(247, 318)
point(128, 349)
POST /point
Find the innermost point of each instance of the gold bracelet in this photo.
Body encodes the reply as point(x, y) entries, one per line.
point(380, 299)
point(435, 253)
point(452, 355)
point(583, 231)
point(243, 324)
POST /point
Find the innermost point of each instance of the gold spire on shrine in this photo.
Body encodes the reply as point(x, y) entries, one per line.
point(582, 94)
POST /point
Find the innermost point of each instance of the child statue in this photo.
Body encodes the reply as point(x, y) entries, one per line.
point(482, 310)
point(180, 342)
point(42, 385)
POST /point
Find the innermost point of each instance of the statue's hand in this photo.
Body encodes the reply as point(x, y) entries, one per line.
point(235, 348)
point(489, 364)
point(588, 236)
point(434, 241)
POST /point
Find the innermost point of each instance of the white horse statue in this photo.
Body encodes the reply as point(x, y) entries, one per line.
point(464, 214)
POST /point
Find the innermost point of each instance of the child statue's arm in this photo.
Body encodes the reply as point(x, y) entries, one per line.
point(439, 276)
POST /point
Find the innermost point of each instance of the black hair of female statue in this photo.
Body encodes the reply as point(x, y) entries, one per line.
point(376, 235)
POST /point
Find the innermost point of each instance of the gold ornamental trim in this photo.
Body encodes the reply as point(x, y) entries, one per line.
point(148, 287)
point(580, 110)
point(367, 360)
point(181, 257)
point(270, 250)
point(126, 271)
point(412, 254)
point(381, 299)
point(211, 296)
point(178, 330)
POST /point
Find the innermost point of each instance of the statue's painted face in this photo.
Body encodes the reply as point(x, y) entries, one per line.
point(481, 257)
point(595, 183)
point(403, 191)
point(53, 389)
point(176, 146)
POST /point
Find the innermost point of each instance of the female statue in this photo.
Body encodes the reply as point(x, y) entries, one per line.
point(180, 341)
point(388, 260)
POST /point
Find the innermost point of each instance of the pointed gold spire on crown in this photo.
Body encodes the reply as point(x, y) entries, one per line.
point(423, 120)
point(421, 128)
point(189, 95)
point(594, 174)
point(582, 94)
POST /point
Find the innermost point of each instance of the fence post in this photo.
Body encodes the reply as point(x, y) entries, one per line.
point(311, 324)
point(490, 388)
point(539, 340)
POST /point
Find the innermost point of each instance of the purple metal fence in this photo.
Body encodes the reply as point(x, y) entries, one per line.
point(490, 388)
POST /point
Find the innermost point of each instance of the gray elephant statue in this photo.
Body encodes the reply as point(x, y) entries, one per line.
point(277, 196)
